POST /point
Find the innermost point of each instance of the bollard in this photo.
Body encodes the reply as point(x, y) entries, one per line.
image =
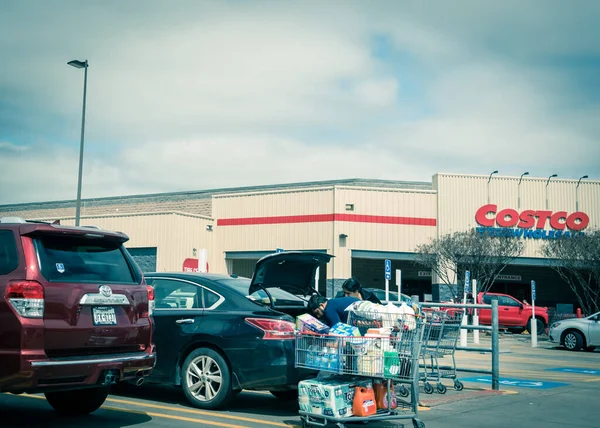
point(495, 347)
point(476, 324)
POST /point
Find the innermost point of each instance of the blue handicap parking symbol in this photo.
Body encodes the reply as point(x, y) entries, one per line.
point(519, 383)
point(578, 370)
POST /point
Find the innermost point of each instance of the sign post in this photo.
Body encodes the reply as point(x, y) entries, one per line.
point(533, 320)
point(475, 314)
point(463, 332)
point(388, 277)
point(399, 284)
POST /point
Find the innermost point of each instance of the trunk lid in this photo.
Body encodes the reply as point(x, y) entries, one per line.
point(291, 271)
point(95, 297)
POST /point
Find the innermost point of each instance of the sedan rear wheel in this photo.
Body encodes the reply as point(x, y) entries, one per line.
point(206, 379)
point(573, 340)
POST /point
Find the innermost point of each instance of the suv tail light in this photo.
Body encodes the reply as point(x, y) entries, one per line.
point(274, 329)
point(151, 303)
point(26, 297)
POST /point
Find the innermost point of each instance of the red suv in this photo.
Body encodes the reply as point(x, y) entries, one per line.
point(74, 314)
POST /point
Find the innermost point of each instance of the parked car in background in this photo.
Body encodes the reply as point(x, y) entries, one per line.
point(74, 314)
point(217, 334)
point(512, 313)
point(577, 333)
point(392, 295)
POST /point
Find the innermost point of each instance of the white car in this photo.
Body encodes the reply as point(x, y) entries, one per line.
point(577, 333)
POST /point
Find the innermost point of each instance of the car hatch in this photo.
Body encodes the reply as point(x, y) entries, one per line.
point(291, 271)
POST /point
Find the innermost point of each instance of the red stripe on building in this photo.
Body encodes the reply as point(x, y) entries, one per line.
point(316, 218)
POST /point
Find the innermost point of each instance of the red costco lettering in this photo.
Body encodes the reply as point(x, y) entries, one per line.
point(481, 215)
point(489, 216)
point(507, 218)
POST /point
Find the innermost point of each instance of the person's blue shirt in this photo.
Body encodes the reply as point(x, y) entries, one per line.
point(334, 310)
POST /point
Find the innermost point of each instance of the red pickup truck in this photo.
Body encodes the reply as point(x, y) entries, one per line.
point(512, 313)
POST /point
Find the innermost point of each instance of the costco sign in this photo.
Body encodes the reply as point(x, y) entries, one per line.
point(529, 223)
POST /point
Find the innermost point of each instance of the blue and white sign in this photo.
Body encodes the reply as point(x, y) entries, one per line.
point(279, 250)
point(388, 269)
point(518, 383)
point(577, 370)
point(532, 290)
point(467, 282)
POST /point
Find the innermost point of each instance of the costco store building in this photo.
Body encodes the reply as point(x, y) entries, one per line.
point(361, 222)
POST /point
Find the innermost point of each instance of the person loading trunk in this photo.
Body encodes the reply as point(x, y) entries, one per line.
point(353, 288)
point(330, 311)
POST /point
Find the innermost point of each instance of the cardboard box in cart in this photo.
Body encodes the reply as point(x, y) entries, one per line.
point(326, 397)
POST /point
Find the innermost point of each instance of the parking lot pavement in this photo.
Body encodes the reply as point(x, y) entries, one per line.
point(540, 387)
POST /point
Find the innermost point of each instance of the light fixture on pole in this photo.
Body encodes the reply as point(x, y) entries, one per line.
point(577, 192)
point(488, 184)
point(547, 182)
point(80, 64)
point(519, 189)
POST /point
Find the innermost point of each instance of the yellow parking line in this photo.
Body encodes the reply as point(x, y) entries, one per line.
point(174, 417)
point(197, 412)
point(177, 409)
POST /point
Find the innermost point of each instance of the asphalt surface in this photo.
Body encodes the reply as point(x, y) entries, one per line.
point(536, 391)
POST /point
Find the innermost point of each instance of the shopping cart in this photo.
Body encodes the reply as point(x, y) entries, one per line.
point(441, 331)
point(392, 358)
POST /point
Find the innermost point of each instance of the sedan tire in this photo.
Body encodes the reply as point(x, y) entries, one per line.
point(573, 340)
point(206, 379)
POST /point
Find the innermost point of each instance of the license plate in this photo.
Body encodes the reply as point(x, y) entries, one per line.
point(104, 316)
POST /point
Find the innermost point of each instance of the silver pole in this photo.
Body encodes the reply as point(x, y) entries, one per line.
point(78, 206)
point(495, 347)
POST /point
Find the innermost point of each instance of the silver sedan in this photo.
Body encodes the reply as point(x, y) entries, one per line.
point(577, 333)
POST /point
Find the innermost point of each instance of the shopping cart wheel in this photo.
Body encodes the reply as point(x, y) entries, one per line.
point(418, 424)
point(441, 388)
point(403, 391)
point(428, 388)
point(458, 385)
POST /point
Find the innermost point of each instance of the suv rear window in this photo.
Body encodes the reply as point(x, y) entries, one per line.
point(9, 259)
point(75, 259)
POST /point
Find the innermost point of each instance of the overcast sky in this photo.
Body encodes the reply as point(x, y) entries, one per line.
point(191, 95)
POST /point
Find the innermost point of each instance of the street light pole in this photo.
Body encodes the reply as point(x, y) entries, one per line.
point(80, 64)
point(577, 192)
point(488, 184)
point(519, 189)
point(548, 181)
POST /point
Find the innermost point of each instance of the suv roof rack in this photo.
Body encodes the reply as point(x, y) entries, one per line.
point(19, 220)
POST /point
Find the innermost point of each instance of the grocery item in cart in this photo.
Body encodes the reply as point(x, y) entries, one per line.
point(328, 397)
point(306, 323)
point(364, 401)
point(371, 314)
point(381, 394)
point(341, 329)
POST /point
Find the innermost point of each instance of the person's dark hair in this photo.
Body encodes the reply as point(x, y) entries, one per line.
point(314, 302)
point(352, 285)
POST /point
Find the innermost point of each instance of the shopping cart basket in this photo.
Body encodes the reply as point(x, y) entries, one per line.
point(441, 332)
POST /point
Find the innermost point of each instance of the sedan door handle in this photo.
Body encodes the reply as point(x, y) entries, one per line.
point(185, 321)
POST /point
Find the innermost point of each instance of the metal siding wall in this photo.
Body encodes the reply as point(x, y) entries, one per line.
point(459, 197)
point(264, 237)
point(387, 237)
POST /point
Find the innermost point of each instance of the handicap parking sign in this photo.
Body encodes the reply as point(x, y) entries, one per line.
point(388, 269)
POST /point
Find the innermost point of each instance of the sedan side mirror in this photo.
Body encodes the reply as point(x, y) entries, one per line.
point(521, 306)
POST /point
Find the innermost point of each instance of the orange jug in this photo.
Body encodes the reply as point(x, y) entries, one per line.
point(381, 395)
point(364, 402)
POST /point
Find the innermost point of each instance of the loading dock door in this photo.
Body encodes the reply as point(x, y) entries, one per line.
point(145, 258)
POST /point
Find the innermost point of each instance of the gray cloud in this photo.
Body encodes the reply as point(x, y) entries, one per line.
point(194, 95)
